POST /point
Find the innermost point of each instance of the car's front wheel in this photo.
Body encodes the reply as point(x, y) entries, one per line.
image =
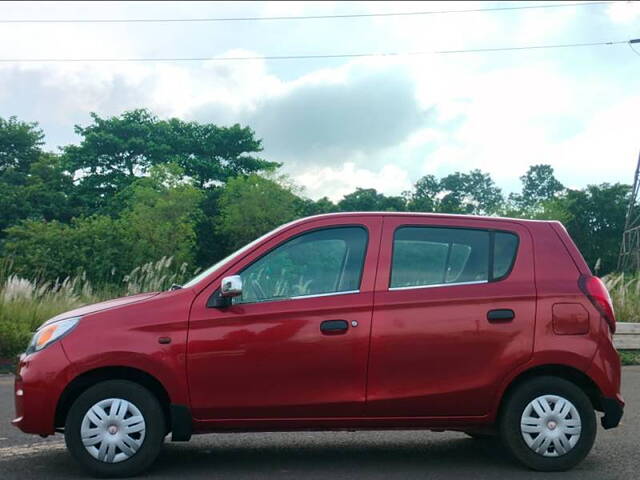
point(115, 429)
point(548, 423)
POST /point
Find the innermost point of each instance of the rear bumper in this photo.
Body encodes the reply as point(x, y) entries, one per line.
point(613, 409)
point(606, 373)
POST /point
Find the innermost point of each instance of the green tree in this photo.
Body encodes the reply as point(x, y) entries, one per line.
point(209, 153)
point(539, 185)
point(33, 183)
point(470, 193)
point(211, 244)
point(20, 145)
point(424, 197)
point(54, 250)
point(369, 200)
point(161, 216)
point(158, 221)
point(594, 217)
point(49, 190)
point(308, 207)
point(466, 193)
point(115, 151)
point(253, 205)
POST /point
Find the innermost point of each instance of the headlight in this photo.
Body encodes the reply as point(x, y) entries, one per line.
point(48, 334)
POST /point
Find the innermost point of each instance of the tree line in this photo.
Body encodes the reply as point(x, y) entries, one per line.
point(137, 188)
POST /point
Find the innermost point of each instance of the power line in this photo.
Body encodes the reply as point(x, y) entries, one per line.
point(307, 17)
point(310, 56)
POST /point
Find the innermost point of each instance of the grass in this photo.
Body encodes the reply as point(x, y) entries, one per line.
point(625, 294)
point(629, 357)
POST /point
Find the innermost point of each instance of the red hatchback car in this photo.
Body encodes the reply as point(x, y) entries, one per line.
point(487, 326)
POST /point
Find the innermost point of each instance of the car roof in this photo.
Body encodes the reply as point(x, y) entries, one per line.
point(418, 214)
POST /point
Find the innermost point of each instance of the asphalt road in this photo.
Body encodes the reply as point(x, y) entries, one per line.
point(414, 454)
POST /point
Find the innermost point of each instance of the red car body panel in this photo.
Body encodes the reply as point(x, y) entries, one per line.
point(135, 343)
point(270, 359)
point(433, 351)
point(411, 358)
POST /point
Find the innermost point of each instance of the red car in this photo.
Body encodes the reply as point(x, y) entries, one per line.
point(487, 326)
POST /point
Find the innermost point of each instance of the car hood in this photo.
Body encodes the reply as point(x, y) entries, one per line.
point(97, 307)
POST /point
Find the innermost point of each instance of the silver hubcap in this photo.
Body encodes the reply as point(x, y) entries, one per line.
point(113, 430)
point(550, 425)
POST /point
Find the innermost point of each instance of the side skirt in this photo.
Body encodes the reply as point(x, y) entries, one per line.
point(342, 423)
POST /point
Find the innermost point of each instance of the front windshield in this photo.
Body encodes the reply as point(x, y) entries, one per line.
point(237, 253)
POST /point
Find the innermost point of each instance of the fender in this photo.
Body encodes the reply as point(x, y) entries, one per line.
point(555, 358)
point(150, 339)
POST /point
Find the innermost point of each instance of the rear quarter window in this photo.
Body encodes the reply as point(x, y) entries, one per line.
point(504, 253)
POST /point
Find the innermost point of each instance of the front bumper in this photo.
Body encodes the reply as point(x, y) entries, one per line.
point(613, 410)
point(39, 382)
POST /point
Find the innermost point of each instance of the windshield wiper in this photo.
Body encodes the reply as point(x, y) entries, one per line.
point(175, 286)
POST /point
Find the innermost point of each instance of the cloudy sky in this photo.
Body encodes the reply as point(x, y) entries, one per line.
point(337, 124)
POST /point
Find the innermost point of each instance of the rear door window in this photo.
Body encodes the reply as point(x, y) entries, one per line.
point(435, 256)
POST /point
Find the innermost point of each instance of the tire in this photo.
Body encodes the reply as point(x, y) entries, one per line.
point(566, 434)
point(93, 411)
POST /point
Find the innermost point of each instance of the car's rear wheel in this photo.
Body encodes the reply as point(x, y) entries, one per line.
point(115, 429)
point(548, 423)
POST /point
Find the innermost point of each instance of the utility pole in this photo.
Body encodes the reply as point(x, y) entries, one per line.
point(629, 258)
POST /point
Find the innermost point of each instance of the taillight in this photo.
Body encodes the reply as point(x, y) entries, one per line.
point(595, 291)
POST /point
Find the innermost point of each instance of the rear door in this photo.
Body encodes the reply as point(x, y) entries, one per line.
point(454, 313)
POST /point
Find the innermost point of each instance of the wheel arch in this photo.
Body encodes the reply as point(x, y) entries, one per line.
point(566, 372)
point(92, 377)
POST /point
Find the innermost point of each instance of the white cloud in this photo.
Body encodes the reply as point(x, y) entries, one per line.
point(606, 150)
point(335, 182)
point(339, 124)
point(624, 12)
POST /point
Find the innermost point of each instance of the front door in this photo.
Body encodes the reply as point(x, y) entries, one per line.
point(454, 314)
point(295, 344)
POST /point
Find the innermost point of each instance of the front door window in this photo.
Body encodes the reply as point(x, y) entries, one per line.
point(320, 262)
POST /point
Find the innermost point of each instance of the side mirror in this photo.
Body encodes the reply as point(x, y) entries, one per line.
point(231, 286)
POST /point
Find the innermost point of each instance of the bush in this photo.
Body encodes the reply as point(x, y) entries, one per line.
point(251, 206)
point(625, 294)
point(24, 305)
point(629, 357)
point(158, 222)
point(54, 250)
